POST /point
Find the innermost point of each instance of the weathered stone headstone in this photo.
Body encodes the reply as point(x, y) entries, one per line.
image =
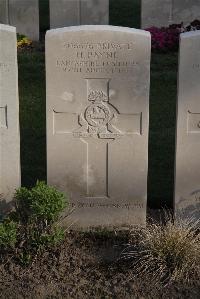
point(97, 122)
point(94, 12)
point(9, 116)
point(160, 13)
point(155, 13)
point(4, 11)
point(23, 14)
point(185, 11)
point(187, 185)
point(65, 13)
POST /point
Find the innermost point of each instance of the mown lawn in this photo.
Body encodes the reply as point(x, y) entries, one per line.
point(162, 110)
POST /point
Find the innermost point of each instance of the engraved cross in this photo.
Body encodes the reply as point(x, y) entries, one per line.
point(97, 125)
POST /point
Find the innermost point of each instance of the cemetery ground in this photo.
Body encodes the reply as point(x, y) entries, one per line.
point(87, 265)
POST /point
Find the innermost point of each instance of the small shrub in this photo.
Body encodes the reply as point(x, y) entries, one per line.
point(42, 203)
point(166, 39)
point(166, 253)
point(8, 234)
point(32, 226)
point(48, 238)
point(23, 210)
point(195, 25)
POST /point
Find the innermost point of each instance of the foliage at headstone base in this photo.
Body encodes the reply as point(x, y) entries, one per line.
point(166, 39)
point(23, 41)
point(166, 253)
point(33, 226)
point(8, 234)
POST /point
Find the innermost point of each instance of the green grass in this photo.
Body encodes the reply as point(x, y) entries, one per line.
point(32, 117)
point(162, 129)
point(44, 15)
point(162, 112)
point(125, 13)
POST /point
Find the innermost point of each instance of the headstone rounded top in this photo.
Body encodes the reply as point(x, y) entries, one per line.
point(97, 28)
point(190, 34)
point(7, 28)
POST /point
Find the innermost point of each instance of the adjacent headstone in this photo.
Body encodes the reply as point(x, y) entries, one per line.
point(9, 116)
point(187, 174)
point(4, 11)
point(155, 13)
point(97, 122)
point(65, 13)
point(185, 11)
point(94, 12)
point(23, 14)
point(160, 13)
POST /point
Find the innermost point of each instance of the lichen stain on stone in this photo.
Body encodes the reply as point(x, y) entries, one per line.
point(67, 96)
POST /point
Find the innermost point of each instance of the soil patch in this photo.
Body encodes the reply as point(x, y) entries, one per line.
point(85, 265)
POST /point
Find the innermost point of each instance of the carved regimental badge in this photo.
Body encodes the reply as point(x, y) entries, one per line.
point(99, 117)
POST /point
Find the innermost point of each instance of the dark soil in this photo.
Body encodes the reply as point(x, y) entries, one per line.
point(86, 265)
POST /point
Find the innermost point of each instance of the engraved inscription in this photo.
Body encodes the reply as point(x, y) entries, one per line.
point(127, 206)
point(5, 67)
point(102, 57)
point(196, 66)
point(193, 122)
point(3, 117)
point(99, 46)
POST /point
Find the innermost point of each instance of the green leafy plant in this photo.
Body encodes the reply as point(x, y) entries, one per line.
point(42, 203)
point(8, 234)
point(33, 226)
point(49, 237)
point(166, 252)
point(25, 258)
point(23, 41)
point(38, 209)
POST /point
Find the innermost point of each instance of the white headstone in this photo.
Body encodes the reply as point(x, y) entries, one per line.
point(23, 14)
point(94, 12)
point(160, 13)
point(9, 115)
point(156, 13)
point(78, 12)
point(187, 185)
point(4, 11)
point(185, 11)
point(97, 122)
